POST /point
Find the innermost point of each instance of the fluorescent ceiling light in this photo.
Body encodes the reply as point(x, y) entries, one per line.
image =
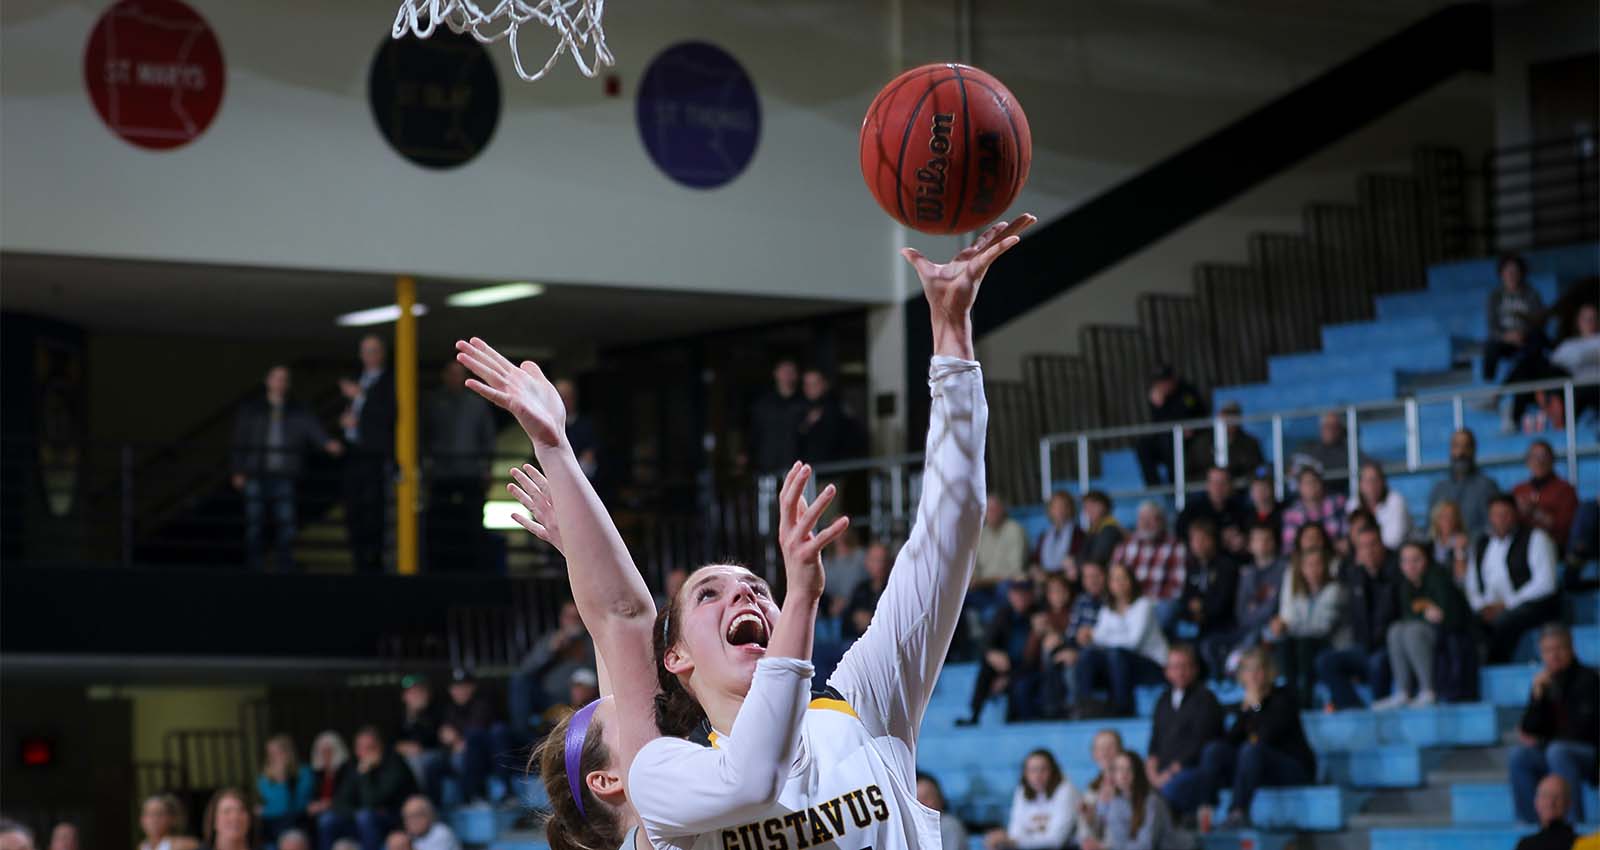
point(378, 315)
point(494, 294)
point(497, 515)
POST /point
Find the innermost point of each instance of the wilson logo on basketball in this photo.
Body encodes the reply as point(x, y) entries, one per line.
point(931, 177)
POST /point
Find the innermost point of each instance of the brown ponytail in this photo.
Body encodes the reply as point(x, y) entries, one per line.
point(565, 827)
point(678, 713)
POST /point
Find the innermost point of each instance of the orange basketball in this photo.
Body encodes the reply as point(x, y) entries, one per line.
point(945, 148)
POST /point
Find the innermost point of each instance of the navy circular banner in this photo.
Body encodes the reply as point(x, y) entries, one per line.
point(698, 114)
point(436, 100)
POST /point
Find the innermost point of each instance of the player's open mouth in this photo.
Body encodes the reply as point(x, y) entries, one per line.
point(748, 629)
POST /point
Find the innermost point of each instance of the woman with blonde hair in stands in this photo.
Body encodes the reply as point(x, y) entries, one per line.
point(330, 759)
point(1447, 537)
point(1309, 612)
point(161, 819)
point(1136, 817)
point(284, 787)
point(1103, 749)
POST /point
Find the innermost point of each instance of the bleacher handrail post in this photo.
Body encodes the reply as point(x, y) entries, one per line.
point(1219, 442)
point(1277, 457)
point(1413, 435)
point(1083, 464)
point(1179, 463)
point(1046, 484)
point(1571, 417)
point(1352, 454)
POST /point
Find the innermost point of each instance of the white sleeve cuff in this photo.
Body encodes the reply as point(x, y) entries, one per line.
point(942, 366)
point(797, 667)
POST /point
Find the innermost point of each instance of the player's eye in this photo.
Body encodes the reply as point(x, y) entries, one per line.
point(706, 592)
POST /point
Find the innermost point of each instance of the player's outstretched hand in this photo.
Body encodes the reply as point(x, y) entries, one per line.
point(952, 287)
point(802, 549)
point(523, 390)
point(531, 491)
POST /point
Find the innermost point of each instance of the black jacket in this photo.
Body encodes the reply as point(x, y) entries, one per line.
point(1275, 723)
point(1371, 602)
point(422, 730)
point(1216, 584)
point(301, 433)
point(1233, 512)
point(832, 436)
point(384, 788)
point(775, 431)
point(1185, 402)
point(375, 423)
point(1569, 709)
point(1179, 735)
point(1556, 836)
point(476, 715)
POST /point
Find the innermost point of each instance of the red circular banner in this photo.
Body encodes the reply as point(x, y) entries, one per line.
point(155, 73)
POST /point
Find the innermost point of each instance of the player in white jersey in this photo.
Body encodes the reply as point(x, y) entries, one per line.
point(767, 765)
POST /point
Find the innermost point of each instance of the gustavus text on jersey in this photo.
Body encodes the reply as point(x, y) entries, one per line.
point(820, 824)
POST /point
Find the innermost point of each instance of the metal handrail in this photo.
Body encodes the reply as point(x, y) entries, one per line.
point(1408, 406)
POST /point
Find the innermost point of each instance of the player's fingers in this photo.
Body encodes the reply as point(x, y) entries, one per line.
point(834, 531)
point(528, 487)
point(538, 479)
point(496, 397)
point(786, 497)
point(993, 252)
point(521, 494)
point(808, 520)
point(917, 260)
point(533, 528)
point(988, 235)
point(477, 358)
point(1017, 225)
point(488, 350)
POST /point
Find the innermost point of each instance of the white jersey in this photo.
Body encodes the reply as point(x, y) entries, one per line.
point(837, 770)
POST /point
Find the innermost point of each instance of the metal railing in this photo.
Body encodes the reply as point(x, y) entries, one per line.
point(878, 494)
point(1542, 193)
point(1409, 409)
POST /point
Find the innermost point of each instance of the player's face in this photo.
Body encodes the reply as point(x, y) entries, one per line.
point(727, 618)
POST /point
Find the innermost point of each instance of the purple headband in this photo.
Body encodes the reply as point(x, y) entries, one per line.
point(577, 732)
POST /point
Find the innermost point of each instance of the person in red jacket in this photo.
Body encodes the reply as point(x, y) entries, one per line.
point(1544, 500)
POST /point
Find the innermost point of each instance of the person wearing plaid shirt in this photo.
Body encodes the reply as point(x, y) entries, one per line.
point(1157, 560)
point(1314, 504)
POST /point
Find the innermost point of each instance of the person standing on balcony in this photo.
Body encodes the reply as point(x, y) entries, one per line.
point(1515, 314)
point(270, 439)
point(1466, 485)
point(460, 433)
point(1245, 457)
point(775, 420)
point(368, 425)
point(1171, 400)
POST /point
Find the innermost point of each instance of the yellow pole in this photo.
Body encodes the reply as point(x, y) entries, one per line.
point(405, 431)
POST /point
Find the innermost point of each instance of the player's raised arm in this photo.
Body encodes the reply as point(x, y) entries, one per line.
point(888, 675)
point(610, 594)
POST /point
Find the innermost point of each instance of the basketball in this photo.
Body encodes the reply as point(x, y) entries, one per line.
point(945, 148)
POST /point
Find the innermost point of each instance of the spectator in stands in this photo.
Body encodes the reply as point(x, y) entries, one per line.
point(827, 431)
point(1371, 586)
point(1157, 561)
point(1128, 648)
point(330, 761)
point(1054, 617)
point(418, 741)
point(64, 836)
point(162, 820)
point(1386, 505)
point(470, 735)
point(368, 424)
point(846, 566)
point(1002, 546)
point(368, 802)
point(1101, 531)
point(1136, 817)
point(1218, 505)
point(1544, 501)
point(1515, 314)
point(952, 832)
point(422, 828)
point(1466, 485)
point(1314, 505)
point(1211, 581)
point(1171, 400)
point(1511, 580)
point(1448, 539)
point(1010, 658)
point(1061, 543)
point(1329, 454)
point(1430, 606)
point(1309, 614)
point(1104, 748)
point(580, 430)
point(1044, 808)
point(294, 839)
point(270, 439)
point(864, 598)
point(1579, 357)
point(1078, 635)
point(1263, 508)
point(284, 788)
point(1257, 602)
point(1560, 728)
point(14, 836)
point(459, 430)
point(1265, 746)
point(1187, 718)
point(541, 679)
point(228, 824)
point(1552, 801)
point(1244, 451)
point(775, 420)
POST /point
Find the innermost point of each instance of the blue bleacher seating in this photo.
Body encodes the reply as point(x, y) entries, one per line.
point(1490, 803)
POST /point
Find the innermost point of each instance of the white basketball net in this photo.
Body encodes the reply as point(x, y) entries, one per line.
point(576, 23)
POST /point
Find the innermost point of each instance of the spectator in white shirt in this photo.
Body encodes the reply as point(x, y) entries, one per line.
point(1129, 649)
point(1388, 506)
point(1044, 809)
point(1579, 356)
point(423, 831)
point(1511, 579)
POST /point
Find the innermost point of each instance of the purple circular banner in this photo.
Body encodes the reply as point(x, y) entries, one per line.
point(698, 114)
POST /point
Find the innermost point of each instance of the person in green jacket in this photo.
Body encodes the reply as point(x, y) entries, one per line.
point(1430, 605)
